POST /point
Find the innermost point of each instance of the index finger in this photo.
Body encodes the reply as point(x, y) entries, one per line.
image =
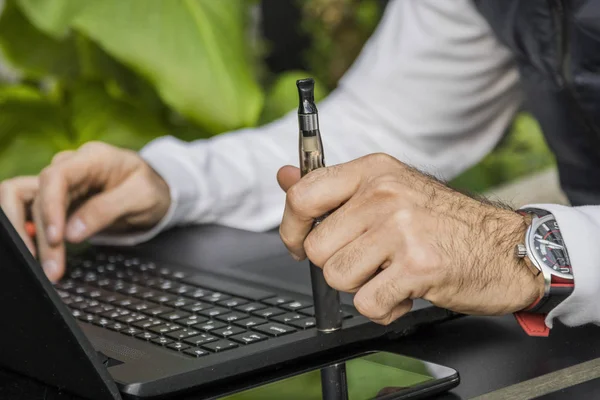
point(314, 195)
point(58, 182)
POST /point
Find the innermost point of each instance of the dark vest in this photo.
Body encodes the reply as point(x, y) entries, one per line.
point(556, 44)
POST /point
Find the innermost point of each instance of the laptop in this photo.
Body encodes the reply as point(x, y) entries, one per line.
point(146, 323)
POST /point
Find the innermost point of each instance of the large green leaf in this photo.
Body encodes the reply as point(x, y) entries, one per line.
point(53, 17)
point(31, 131)
point(30, 51)
point(95, 115)
point(192, 51)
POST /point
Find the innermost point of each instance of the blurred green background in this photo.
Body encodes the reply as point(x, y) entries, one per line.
point(127, 71)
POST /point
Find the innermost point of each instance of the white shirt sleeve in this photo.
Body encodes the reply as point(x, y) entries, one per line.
point(432, 87)
point(580, 228)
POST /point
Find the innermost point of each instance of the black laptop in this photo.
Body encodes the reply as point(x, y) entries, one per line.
point(125, 324)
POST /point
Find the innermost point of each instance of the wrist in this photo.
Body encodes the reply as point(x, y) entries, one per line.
point(529, 280)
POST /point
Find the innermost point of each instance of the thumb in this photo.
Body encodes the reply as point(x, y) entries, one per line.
point(288, 176)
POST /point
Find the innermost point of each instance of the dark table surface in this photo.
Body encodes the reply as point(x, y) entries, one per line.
point(490, 353)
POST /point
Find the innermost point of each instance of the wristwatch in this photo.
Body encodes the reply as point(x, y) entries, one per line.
point(544, 252)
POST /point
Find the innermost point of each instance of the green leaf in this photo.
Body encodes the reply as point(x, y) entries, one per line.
point(31, 131)
point(30, 51)
point(95, 115)
point(192, 51)
point(282, 97)
point(52, 17)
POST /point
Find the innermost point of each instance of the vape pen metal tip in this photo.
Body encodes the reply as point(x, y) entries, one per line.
point(306, 93)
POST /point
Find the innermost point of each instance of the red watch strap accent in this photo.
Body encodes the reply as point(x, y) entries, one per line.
point(533, 324)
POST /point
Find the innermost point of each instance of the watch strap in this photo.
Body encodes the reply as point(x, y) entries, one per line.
point(533, 318)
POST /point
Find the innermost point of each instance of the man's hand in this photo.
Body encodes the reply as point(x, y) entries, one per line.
point(96, 188)
point(398, 235)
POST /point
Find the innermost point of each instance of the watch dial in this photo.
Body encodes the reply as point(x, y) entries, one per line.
point(550, 248)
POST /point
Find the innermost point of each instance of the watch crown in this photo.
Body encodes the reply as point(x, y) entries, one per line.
point(520, 250)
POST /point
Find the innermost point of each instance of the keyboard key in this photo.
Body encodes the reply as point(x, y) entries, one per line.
point(191, 320)
point(110, 298)
point(146, 294)
point(216, 297)
point(182, 334)
point(209, 325)
point(164, 329)
point(249, 322)
point(213, 312)
point(198, 293)
point(87, 317)
point(116, 327)
point(232, 302)
point(162, 341)
point(155, 312)
point(162, 298)
point(100, 309)
point(273, 329)
point(227, 331)
point(146, 336)
point(305, 323)
point(228, 286)
point(220, 345)
point(268, 312)
point(131, 331)
point(180, 289)
point(178, 346)
point(197, 307)
point(102, 322)
point(147, 323)
point(174, 315)
point(277, 301)
point(180, 302)
point(137, 306)
point(286, 318)
point(131, 318)
point(116, 313)
point(248, 308)
point(310, 311)
point(130, 290)
point(232, 316)
point(196, 352)
point(296, 305)
point(200, 339)
point(248, 337)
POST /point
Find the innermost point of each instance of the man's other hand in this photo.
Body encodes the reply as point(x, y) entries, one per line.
point(98, 188)
point(397, 235)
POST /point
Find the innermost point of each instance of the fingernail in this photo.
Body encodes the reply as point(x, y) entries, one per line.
point(50, 268)
point(52, 233)
point(295, 257)
point(76, 229)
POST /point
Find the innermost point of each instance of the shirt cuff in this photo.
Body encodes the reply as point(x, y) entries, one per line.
point(164, 156)
point(580, 230)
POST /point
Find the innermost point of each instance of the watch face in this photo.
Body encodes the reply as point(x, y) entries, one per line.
point(549, 248)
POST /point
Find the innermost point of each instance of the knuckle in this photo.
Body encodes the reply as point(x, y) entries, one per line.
point(380, 158)
point(95, 147)
point(313, 250)
point(48, 174)
point(60, 156)
point(386, 186)
point(296, 199)
point(402, 219)
point(369, 307)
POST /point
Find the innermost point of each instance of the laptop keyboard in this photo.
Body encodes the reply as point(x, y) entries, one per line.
point(194, 315)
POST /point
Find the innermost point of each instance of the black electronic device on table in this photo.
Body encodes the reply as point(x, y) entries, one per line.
point(119, 325)
point(370, 375)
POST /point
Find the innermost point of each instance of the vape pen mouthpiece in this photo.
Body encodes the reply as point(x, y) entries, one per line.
point(306, 93)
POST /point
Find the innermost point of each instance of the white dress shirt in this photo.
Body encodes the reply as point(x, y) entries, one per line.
point(433, 87)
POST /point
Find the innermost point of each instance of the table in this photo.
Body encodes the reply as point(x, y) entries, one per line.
point(490, 353)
